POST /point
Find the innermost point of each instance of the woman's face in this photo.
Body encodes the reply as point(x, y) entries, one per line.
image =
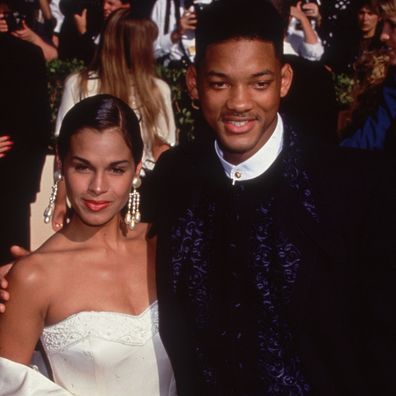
point(98, 172)
point(388, 36)
point(109, 6)
point(368, 21)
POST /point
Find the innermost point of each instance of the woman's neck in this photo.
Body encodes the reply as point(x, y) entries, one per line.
point(112, 233)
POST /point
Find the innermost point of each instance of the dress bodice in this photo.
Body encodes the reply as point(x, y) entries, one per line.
point(109, 353)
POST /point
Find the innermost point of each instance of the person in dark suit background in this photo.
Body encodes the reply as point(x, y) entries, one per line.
point(25, 119)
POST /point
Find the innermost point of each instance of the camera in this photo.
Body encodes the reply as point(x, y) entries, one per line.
point(200, 5)
point(14, 20)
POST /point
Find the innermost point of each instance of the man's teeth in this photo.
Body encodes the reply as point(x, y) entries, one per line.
point(238, 123)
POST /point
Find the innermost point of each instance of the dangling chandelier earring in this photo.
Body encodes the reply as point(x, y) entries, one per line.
point(49, 210)
point(133, 216)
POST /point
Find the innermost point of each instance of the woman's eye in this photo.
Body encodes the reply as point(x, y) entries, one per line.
point(81, 167)
point(118, 171)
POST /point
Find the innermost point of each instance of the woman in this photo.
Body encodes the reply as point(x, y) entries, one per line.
point(89, 291)
point(124, 67)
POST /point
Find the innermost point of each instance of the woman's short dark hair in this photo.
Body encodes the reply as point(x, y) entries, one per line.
point(101, 112)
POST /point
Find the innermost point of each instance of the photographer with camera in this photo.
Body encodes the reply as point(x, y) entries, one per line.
point(15, 22)
point(176, 21)
point(24, 129)
point(301, 38)
point(83, 22)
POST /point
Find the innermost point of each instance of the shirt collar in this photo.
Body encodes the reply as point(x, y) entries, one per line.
point(258, 163)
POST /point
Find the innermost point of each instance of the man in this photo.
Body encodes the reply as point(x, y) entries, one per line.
point(25, 119)
point(275, 261)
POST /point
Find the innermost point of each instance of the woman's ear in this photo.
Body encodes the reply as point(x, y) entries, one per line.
point(138, 168)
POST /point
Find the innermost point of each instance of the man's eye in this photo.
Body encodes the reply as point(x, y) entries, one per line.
point(261, 84)
point(218, 84)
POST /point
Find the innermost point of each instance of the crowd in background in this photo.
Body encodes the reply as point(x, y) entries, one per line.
point(343, 90)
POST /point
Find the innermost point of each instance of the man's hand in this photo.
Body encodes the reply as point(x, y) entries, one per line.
point(81, 21)
point(25, 33)
point(3, 24)
point(298, 13)
point(17, 252)
point(5, 145)
point(312, 11)
point(188, 21)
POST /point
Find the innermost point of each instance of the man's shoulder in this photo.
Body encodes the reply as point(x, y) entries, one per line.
point(178, 174)
point(186, 158)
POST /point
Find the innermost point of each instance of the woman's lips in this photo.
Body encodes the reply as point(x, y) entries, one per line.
point(96, 206)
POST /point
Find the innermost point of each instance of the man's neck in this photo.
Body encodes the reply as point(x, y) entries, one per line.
point(257, 163)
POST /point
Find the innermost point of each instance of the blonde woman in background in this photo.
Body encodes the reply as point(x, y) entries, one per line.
point(124, 66)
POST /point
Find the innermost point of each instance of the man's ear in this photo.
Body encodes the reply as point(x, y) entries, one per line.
point(191, 81)
point(286, 79)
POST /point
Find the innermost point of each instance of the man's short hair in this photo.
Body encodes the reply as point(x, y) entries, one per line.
point(239, 19)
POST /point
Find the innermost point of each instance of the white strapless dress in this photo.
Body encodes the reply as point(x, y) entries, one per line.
point(97, 354)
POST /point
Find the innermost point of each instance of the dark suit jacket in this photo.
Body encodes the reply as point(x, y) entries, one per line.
point(343, 308)
point(24, 115)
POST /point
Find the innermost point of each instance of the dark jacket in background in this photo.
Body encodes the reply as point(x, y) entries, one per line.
point(25, 117)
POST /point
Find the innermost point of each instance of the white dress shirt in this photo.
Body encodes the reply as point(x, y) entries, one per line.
point(259, 162)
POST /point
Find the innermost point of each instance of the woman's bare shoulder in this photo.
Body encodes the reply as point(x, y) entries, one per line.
point(44, 263)
point(162, 85)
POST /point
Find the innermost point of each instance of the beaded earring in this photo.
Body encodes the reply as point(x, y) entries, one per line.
point(133, 215)
point(49, 210)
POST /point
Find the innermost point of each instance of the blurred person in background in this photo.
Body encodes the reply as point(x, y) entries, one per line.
point(18, 20)
point(377, 130)
point(301, 37)
point(83, 22)
point(363, 35)
point(176, 21)
point(25, 131)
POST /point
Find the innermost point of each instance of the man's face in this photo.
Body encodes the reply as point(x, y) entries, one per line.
point(109, 6)
point(388, 36)
point(367, 21)
point(239, 84)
